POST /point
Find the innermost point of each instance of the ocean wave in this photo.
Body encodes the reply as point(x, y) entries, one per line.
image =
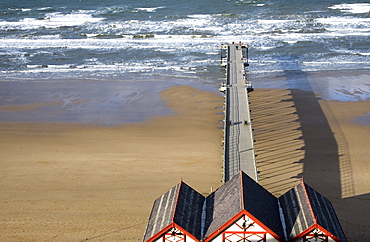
point(100, 39)
point(52, 20)
point(357, 22)
point(149, 10)
point(96, 24)
point(350, 51)
point(141, 38)
point(353, 8)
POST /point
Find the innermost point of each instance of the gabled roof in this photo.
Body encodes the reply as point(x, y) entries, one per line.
point(305, 209)
point(181, 206)
point(188, 213)
point(295, 214)
point(238, 194)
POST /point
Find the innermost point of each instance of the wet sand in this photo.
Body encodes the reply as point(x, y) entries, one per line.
point(70, 181)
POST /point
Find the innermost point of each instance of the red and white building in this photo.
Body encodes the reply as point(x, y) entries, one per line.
point(309, 216)
point(242, 210)
point(176, 216)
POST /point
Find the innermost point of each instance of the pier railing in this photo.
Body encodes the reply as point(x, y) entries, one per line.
point(238, 142)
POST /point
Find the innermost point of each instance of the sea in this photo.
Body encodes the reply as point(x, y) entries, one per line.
point(143, 40)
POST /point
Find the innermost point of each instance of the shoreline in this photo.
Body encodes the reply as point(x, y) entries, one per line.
point(106, 103)
point(341, 85)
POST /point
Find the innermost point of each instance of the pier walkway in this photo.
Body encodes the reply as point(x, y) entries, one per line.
point(238, 137)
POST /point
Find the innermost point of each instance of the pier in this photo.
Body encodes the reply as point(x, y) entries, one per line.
point(239, 152)
point(241, 209)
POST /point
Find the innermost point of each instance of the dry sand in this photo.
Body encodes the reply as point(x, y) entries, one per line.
point(74, 182)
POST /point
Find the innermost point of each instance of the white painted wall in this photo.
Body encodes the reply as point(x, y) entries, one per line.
point(251, 227)
point(314, 240)
point(169, 237)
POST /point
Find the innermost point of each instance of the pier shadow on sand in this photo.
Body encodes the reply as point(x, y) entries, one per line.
point(325, 160)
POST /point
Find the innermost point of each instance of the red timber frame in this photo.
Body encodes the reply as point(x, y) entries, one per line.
point(317, 235)
point(243, 234)
point(172, 233)
point(316, 232)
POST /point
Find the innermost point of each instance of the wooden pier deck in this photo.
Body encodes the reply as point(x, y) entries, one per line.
point(239, 152)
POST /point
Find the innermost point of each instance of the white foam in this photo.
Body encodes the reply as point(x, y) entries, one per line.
point(185, 35)
point(179, 43)
point(353, 8)
point(52, 20)
point(343, 20)
point(266, 47)
point(291, 41)
point(339, 26)
point(275, 21)
point(191, 21)
point(73, 19)
point(80, 68)
point(210, 25)
point(197, 23)
point(44, 8)
point(149, 10)
point(91, 35)
point(200, 16)
point(320, 63)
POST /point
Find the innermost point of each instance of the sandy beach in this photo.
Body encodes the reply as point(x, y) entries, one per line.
point(301, 135)
point(75, 181)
